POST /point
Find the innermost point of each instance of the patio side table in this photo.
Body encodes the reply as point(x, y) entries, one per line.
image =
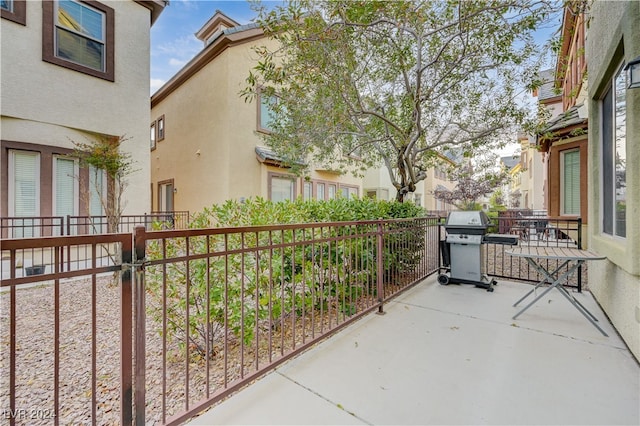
point(565, 255)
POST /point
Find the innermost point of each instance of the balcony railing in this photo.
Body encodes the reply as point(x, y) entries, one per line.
point(202, 312)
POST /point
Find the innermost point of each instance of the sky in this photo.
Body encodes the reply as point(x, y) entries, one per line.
point(173, 42)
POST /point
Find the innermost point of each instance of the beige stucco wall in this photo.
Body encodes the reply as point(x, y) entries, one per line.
point(210, 137)
point(378, 178)
point(613, 36)
point(47, 104)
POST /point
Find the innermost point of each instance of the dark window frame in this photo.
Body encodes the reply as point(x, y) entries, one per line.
point(48, 40)
point(18, 14)
point(611, 223)
point(160, 123)
point(153, 130)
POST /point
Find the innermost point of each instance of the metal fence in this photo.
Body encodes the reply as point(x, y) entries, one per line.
point(533, 231)
point(201, 312)
point(64, 359)
point(47, 226)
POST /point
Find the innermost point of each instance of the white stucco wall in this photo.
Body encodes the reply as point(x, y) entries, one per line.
point(48, 104)
point(614, 36)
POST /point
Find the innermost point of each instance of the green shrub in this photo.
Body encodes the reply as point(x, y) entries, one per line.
point(274, 284)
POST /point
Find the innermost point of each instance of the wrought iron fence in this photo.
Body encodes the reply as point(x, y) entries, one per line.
point(82, 225)
point(202, 312)
point(47, 226)
point(533, 231)
point(60, 343)
point(31, 226)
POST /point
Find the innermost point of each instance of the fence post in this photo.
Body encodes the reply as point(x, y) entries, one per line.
point(126, 360)
point(380, 264)
point(139, 244)
point(579, 248)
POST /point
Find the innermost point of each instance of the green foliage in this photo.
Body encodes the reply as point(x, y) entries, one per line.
point(105, 153)
point(395, 82)
point(258, 289)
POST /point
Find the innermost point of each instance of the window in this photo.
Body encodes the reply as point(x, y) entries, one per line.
point(14, 10)
point(332, 192)
point(65, 187)
point(97, 193)
point(570, 182)
point(308, 191)
point(165, 196)
point(349, 192)
point(152, 136)
point(281, 188)
point(24, 188)
point(320, 191)
point(266, 113)
point(79, 35)
point(614, 157)
point(160, 128)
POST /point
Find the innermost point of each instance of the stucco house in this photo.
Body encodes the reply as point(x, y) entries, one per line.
point(614, 164)
point(564, 140)
point(377, 184)
point(206, 144)
point(72, 71)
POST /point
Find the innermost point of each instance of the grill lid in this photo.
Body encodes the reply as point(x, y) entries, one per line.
point(467, 222)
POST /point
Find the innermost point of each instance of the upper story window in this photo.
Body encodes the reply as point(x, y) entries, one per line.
point(79, 35)
point(160, 128)
point(14, 10)
point(152, 135)
point(266, 114)
point(614, 157)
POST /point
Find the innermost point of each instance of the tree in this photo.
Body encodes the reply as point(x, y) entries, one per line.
point(360, 83)
point(104, 154)
point(472, 182)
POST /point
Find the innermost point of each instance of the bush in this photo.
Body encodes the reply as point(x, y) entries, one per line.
point(264, 287)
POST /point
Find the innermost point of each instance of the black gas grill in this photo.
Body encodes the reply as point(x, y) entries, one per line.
point(464, 249)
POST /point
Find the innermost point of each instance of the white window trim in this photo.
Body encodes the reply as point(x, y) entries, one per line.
point(76, 185)
point(102, 192)
point(12, 190)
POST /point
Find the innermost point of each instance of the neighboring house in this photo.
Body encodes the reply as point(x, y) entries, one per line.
point(206, 144)
point(532, 175)
point(564, 140)
point(377, 184)
point(614, 165)
point(511, 189)
point(71, 71)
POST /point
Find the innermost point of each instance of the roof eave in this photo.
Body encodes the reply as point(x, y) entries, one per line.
point(206, 55)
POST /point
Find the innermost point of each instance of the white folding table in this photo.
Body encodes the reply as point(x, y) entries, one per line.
point(572, 258)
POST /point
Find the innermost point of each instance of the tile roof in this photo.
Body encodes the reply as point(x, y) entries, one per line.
point(510, 161)
point(547, 90)
point(570, 117)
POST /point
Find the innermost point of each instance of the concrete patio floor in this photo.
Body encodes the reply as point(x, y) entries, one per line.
point(452, 355)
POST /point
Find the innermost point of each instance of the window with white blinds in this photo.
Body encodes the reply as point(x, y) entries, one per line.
point(570, 185)
point(65, 187)
point(24, 183)
point(282, 188)
point(97, 191)
point(24, 191)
